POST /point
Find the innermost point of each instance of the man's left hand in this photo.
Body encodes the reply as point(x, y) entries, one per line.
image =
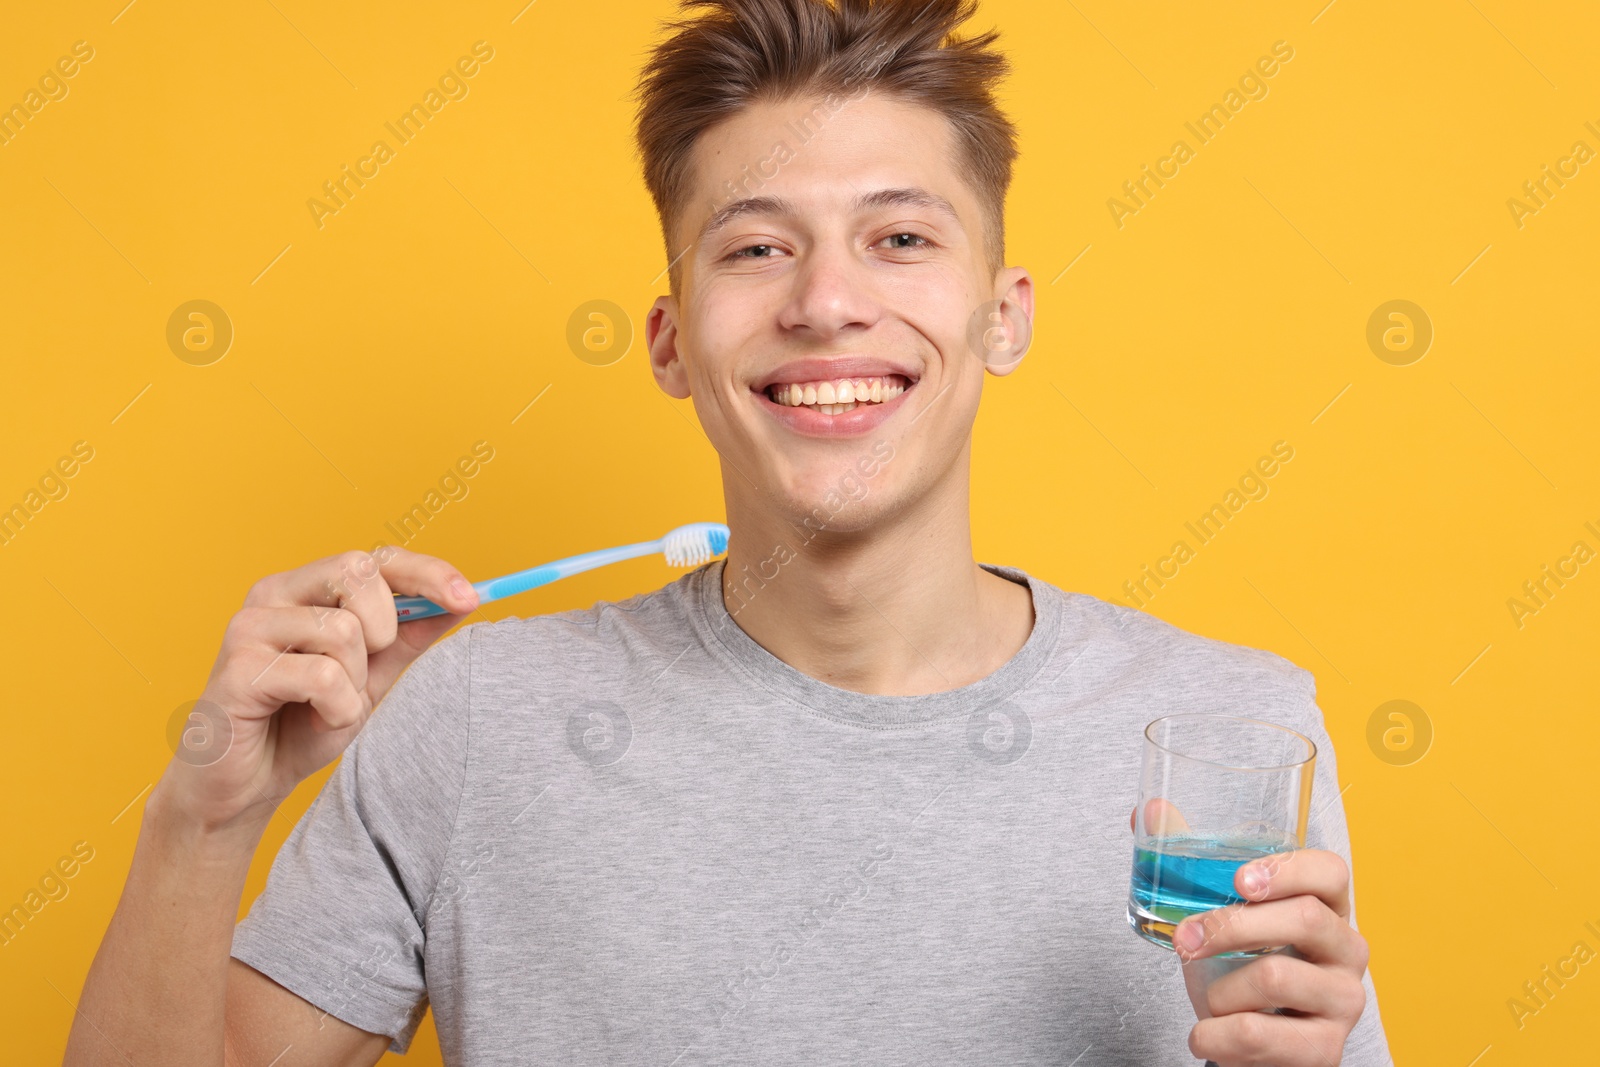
point(1300, 899)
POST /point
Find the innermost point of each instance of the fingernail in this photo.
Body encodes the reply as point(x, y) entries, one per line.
point(460, 588)
point(1189, 935)
point(1254, 880)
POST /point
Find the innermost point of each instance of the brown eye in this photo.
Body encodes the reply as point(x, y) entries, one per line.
point(897, 239)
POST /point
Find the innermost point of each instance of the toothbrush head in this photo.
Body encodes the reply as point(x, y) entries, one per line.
point(694, 544)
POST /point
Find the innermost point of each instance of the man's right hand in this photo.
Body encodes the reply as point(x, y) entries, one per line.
point(302, 665)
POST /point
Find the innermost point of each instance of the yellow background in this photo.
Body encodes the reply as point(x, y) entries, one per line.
point(1229, 313)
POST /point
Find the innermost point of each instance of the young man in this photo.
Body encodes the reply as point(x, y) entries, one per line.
point(848, 796)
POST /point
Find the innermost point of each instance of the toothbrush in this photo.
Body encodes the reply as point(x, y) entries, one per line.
point(687, 546)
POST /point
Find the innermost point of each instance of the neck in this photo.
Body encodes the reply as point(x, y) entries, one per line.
point(898, 608)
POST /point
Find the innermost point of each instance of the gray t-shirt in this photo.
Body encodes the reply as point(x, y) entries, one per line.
point(630, 834)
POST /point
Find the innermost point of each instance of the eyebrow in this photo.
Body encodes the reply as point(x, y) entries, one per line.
point(777, 205)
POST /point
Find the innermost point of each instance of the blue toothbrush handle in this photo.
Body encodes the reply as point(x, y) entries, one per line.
point(409, 608)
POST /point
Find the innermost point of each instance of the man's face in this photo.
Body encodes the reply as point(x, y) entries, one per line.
point(847, 248)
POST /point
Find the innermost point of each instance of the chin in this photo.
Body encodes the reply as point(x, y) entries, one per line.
point(823, 488)
point(835, 509)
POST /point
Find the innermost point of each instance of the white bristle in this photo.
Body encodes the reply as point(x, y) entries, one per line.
point(684, 549)
point(689, 546)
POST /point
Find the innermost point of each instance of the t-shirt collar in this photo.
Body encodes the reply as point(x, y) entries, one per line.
point(729, 643)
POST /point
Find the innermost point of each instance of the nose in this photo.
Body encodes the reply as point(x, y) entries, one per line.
point(832, 294)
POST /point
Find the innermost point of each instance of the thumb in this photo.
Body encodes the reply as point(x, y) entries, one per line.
point(1161, 817)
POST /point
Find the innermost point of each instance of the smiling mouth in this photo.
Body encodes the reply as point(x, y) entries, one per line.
point(839, 395)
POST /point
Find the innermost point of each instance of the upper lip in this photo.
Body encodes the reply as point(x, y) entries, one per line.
point(833, 368)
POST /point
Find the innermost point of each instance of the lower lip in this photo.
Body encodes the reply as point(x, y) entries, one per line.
point(858, 420)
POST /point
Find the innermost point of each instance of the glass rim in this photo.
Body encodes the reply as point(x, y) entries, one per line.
point(1310, 744)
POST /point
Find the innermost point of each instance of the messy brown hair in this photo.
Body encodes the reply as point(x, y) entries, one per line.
point(734, 53)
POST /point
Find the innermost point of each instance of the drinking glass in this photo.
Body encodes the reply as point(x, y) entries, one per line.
point(1215, 792)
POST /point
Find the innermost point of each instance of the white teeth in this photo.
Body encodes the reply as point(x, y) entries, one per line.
point(838, 396)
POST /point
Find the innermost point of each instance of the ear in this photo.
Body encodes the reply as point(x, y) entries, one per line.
point(661, 335)
point(1013, 289)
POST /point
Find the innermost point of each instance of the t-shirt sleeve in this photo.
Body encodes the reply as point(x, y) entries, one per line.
point(1367, 1046)
point(341, 922)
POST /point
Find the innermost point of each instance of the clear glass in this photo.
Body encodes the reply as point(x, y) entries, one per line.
point(1215, 792)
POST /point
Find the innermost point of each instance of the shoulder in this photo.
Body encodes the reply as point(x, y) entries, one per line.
point(577, 649)
point(1185, 649)
point(570, 643)
point(1135, 648)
